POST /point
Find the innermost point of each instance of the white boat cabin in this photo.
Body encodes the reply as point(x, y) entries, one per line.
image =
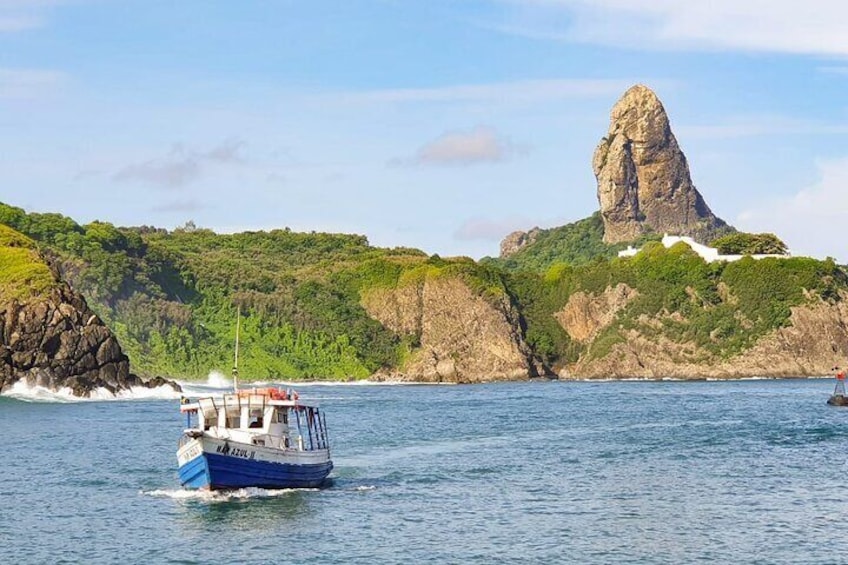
point(265, 418)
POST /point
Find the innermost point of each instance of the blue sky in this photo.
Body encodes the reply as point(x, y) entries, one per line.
point(437, 124)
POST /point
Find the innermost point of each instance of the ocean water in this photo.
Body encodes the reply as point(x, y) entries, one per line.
point(548, 472)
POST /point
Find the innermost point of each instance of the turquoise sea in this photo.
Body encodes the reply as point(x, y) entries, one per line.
point(547, 472)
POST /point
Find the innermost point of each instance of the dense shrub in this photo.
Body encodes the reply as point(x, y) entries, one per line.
point(750, 244)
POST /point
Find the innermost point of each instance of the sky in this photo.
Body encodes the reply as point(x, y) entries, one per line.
point(436, 124)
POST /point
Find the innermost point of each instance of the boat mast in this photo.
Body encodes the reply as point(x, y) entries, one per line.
point(235, 364)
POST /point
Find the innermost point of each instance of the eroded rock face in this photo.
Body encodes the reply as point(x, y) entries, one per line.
point(815, 340)
point(517, 240)
point(59, 342)
point(586, 314)
point(462, 337)
point(643, 177)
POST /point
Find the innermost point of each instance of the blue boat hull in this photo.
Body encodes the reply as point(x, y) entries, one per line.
point(215, 471)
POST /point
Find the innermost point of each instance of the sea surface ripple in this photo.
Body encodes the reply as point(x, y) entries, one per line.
point(612, 472)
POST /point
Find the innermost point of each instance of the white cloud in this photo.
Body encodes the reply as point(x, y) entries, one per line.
point(811, 222)
point(181, 166)
point(227, 152)
point(814, 27)
point(171, 172)
point(479, 145)
point(28, 83)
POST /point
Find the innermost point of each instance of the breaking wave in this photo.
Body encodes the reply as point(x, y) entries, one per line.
point(22, 391)
point(215, 385)
point(218, 380)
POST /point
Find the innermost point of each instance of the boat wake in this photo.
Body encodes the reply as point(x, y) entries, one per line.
point(222, 495)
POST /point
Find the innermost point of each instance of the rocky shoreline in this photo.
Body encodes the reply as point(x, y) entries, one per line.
point(57, 341)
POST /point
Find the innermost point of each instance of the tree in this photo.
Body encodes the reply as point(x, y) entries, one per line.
point(750, 244)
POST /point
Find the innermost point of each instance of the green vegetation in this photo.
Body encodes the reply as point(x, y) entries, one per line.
point(575, 244)
point(720, 308)
point(750, 244)
point(24, 275)
point(171, 297)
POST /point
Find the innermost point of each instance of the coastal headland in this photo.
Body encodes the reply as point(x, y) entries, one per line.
point(82, 304)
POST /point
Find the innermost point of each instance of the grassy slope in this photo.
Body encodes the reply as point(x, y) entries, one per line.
point(23, 274)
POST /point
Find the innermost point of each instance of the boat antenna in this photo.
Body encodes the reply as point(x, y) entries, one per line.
point(235, 364)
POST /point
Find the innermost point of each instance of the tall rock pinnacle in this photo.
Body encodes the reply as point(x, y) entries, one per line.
point(643, 178)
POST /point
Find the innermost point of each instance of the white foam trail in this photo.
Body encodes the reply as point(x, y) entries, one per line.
point(22, 391)
point(221, 496)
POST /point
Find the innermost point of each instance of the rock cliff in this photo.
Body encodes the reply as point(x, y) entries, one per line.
point(51, 338)
point(517, 240)
point(460, 337)
point(585, 315)
point(643, 177)
point(815, 340)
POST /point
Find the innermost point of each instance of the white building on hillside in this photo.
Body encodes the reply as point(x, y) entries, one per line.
point(709, 254)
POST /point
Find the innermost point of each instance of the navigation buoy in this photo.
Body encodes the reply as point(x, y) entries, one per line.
point(838, 397)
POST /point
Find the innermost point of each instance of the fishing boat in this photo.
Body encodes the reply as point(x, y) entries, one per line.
point(259, 437)
point(263, 438)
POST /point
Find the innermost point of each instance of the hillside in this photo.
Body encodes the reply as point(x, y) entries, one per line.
point(703, 312)
point(331, 306)
point(171, 297)
point(49, 336)
point(560, 300)
point(576, 244)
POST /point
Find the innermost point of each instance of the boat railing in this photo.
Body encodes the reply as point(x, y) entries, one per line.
point(261, 419)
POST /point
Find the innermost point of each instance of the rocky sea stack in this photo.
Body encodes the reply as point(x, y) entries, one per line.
point(48, 335)
point(643, 177)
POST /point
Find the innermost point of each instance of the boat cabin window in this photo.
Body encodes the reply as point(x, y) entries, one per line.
point(209, 412)
point(255, 418)
point(233, 411)
point(255, 411)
